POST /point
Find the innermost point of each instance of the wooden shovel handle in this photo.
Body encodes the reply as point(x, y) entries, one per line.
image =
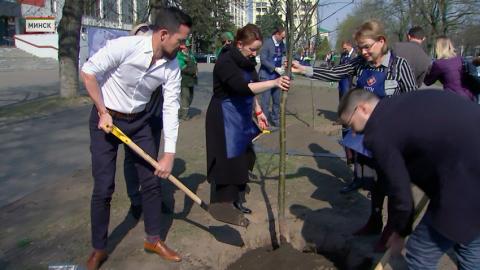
point(120, 135)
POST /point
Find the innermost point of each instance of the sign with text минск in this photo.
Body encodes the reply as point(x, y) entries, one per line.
point(39, 25)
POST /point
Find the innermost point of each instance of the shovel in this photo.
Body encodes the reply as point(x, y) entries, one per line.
point(126, 140)
point(219, 212)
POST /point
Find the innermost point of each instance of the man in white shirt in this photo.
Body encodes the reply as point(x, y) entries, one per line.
point(131, 68)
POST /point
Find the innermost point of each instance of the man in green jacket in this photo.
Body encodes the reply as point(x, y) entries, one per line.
point(227, 39)
point(188, 66)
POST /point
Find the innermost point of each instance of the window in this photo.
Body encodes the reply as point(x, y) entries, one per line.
point(127, 11)
point(142, 11)
point(110, 10)
point(91, 8)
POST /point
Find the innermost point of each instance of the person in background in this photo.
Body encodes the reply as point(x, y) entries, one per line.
point(345, 85)
point(229, 125)
point(448, 69)
point(188, 66)
point(271, 68)
point(413, 52)
point(227, 39)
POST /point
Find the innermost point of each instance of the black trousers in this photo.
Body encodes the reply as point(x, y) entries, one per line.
point(103, 148)
point(130, 171)
point(154, 109)
point(232, 192)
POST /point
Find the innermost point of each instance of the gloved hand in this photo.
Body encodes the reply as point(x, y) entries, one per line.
point(280, 70)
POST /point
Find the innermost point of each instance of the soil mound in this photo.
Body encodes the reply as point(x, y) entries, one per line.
point(283, 258)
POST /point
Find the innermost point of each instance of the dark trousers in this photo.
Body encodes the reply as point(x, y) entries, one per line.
point(130, 172)
point(103, 148)
point(232, 192)
point(186, 98)
point(273, 115)
point(226, 193)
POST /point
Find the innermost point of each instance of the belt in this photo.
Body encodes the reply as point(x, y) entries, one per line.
point(125, 116)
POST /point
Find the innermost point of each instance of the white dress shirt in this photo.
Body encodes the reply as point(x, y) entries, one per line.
point(127, 81)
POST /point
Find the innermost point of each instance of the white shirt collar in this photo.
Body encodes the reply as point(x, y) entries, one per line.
point(350, 52)
point(275, 41)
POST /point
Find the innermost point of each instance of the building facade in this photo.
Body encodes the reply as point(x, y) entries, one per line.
point(238, 10)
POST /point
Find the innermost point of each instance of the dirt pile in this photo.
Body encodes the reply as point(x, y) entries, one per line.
point(283, 258)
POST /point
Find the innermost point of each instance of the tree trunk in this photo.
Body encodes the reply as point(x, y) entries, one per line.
point(282, 223)
point(69, 47)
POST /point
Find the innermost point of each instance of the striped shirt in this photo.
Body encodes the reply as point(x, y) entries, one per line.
point(398, 71)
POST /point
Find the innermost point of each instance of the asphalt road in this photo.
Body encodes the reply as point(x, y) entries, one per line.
point(37, 151)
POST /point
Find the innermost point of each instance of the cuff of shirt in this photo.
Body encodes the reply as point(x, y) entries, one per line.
point(170, 147)
point(309, 71)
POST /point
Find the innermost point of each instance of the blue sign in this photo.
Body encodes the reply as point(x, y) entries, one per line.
point(97, 37)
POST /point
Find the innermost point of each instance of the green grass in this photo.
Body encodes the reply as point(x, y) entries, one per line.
point(23, 243)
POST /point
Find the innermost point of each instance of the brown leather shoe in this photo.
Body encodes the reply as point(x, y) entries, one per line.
point(162, 250)
point(96, 259)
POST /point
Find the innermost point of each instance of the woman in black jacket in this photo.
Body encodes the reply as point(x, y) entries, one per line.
point(229, 125)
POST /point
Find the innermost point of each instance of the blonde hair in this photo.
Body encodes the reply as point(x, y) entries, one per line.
point(372, 29)
point(444, 48)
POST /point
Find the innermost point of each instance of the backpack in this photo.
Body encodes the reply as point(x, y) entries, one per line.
point(471, 74)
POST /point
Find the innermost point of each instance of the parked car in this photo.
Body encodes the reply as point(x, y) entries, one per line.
point(205, 58)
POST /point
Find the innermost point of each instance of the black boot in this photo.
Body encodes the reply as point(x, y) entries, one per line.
point(354, 185)
point(239, 205)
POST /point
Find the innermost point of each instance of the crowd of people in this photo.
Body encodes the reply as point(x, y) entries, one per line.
point(393, 134)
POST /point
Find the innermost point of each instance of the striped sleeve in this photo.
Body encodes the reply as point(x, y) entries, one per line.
point(336, 73)
point(406, 78)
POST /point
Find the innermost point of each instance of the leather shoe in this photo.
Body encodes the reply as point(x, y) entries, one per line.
point(96, 259)
point(162, 250)
point(243, 209)
point(354, 185)
point(136, 211)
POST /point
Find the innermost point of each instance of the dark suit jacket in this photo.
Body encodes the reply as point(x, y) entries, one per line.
point(267, 66)
point(416, 57)
point(430, 138)
point(346, 83)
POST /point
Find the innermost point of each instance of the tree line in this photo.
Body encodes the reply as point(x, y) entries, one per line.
point(458, 19)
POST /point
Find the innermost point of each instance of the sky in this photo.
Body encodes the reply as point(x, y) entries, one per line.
point(332, 22)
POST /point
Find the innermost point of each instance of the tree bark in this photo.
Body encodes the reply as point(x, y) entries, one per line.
point(282, 223)
point(69, 47)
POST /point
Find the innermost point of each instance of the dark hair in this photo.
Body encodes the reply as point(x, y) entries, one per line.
point(351, 99)
point(278, 29)
point(170, 19)
point(416, 32)
point(347, 42)
point(248, 34)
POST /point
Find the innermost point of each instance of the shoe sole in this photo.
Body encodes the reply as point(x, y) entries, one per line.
point(162, 256)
